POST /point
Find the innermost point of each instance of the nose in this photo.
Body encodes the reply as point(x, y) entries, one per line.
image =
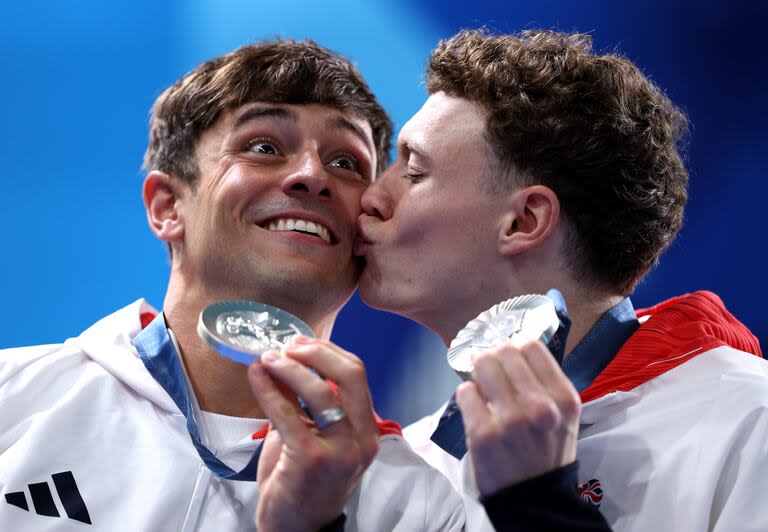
point(377, 201)
point(309, 178)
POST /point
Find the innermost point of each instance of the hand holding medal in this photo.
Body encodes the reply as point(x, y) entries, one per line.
point(521, 413)
point(337, 438)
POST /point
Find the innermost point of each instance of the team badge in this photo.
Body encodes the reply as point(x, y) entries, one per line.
point(591, 492)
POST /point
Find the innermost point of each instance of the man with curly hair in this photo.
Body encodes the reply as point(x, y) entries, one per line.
point(535, 164)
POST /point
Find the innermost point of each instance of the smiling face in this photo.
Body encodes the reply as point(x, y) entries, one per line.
point(272, 217)
point(430, 228)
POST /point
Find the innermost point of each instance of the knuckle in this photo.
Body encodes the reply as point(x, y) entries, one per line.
point(485, 437)
point(532, 349)
point(323, 393)
point(357, 370)
point(571, 405)
point(511, 420)
point(463, 392)
point(316, 458)
point(286, 409)
point(527, 346)
point(544, 412)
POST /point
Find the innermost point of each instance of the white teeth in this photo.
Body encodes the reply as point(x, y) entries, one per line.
point(291, 224)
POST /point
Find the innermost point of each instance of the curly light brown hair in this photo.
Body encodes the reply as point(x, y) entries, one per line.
point(592, 128)
point(278, 71)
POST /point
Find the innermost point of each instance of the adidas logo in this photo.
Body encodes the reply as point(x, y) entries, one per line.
point(42, 498)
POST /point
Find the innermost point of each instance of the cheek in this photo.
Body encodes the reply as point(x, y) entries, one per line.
point(421, 222)
point(351, 196)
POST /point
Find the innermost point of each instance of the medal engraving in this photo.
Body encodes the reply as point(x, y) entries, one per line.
point(255, 331)
point(243, 330)
point(531, 316)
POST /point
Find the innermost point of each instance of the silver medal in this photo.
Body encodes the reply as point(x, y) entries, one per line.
point(532, 316)
point(243, 330)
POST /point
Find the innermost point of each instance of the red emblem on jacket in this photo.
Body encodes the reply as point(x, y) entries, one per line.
point(591, 492)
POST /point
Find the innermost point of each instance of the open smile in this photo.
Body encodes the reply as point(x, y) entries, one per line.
point(300, 225)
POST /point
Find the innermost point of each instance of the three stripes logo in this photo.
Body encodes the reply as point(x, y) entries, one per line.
point(42, 498)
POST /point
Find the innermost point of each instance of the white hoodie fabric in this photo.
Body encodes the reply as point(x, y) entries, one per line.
point(89, 440)
point(674, 431)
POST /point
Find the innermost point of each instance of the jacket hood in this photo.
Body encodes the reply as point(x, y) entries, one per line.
point(109, 343)
point(671, 333)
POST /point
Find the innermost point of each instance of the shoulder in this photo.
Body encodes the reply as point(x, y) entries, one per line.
point(35, 379)
point(22, 363)
point(724, 371)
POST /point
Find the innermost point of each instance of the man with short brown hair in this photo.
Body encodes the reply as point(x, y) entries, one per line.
point(256, 164)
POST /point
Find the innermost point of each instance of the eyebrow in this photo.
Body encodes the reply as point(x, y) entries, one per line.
point(263, 112)
point(418, 149)
point(343, 123)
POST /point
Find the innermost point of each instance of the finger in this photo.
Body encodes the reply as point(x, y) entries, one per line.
point(341, 352)
point(348, 372)
point(284, 414)
point(540, 360)
point(551, 376)
point(516, 367)
point(316, 392)
point(474, 410)
point(491, 379)
point(526, 398)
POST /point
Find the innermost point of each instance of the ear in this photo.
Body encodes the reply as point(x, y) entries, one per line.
point(531, 218)
point(161, 194)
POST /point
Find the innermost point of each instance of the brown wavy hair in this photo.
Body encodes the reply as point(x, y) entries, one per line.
point(592, 128)
point(278, 71)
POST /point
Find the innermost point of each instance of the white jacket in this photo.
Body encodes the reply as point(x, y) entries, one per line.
point(674, 432)
point(86, 434)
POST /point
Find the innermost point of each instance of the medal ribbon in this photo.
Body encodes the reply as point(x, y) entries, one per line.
point(161, 360)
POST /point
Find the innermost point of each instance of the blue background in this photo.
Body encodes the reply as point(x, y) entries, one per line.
point(78, 79)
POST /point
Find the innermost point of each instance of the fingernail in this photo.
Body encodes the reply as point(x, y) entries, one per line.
point(298, 348)
point(270, 356)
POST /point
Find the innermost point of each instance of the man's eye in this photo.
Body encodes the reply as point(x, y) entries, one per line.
point(264, 146)
point(345, 161)
point(413, 177)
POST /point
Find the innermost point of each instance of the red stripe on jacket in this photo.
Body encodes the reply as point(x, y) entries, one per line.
point(676, 331)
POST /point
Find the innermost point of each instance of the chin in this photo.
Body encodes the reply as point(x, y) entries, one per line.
point(379, 296)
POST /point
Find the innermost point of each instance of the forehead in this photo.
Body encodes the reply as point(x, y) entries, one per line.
point(445, 119)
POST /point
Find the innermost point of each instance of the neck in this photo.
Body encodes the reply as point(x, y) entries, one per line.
point(584, 313)
point(220, 385)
